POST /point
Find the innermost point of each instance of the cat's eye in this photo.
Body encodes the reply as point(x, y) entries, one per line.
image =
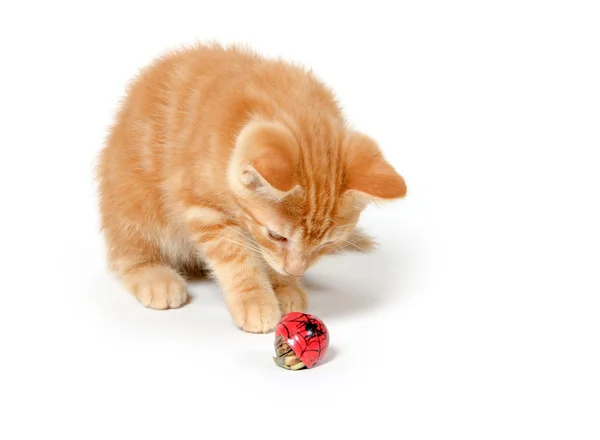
point(276, 237)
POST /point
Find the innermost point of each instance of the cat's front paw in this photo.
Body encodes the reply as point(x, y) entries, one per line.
point(291, 298)
point(157, 287)
point(257, 314)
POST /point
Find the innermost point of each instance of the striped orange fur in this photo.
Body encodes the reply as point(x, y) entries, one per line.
point(224, 161)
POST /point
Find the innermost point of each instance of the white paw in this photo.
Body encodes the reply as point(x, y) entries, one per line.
point(158, 288)
point(291, 299)
point(257, 314)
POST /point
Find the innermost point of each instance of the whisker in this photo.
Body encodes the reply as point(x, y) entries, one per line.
point(346, 245)
point(343, 226)
point(351, 243)
point(240, 239)
point(244, 244)
point(250, 239)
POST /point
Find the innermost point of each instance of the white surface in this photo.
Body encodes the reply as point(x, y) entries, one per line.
point(478, 318)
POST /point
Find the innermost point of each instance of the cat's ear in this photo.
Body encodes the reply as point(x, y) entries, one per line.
point(369, 177)
point(264, 161)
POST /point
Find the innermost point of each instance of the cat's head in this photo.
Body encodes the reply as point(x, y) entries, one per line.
point(300, 202)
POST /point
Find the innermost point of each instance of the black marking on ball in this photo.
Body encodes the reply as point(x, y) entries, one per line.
point(312, 328)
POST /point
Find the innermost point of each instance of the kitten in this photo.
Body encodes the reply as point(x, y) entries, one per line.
point(222, 160)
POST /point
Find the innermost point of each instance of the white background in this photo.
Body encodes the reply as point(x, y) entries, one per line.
point(477, 319)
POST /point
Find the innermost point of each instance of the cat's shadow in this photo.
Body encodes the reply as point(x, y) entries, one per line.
point(356, 284)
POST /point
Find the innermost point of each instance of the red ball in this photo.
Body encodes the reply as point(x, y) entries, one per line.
point(306, 335)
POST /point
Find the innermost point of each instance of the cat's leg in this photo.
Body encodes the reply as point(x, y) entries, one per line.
point(239, 270)
point(289, 293)
point(144, 273)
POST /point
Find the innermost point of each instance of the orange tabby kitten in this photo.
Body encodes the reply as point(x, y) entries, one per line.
point(220, 159)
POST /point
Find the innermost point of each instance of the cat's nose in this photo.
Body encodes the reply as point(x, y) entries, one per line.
point(295, 268)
